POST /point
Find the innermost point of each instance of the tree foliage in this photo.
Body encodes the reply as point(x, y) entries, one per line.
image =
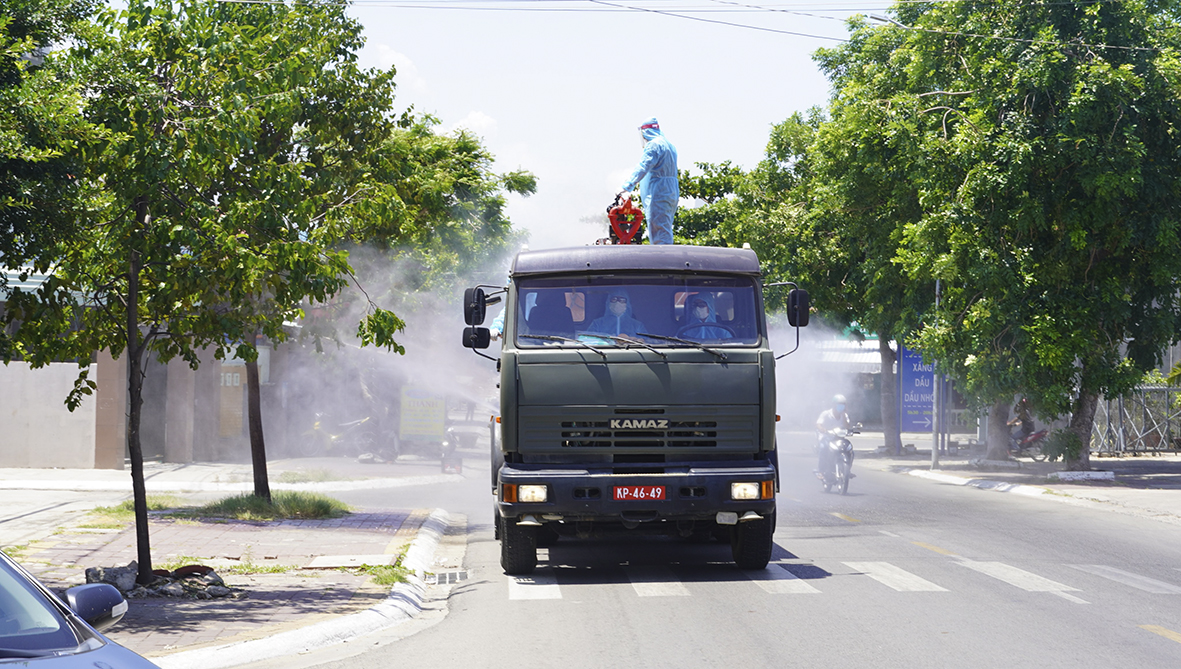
point(246, 154)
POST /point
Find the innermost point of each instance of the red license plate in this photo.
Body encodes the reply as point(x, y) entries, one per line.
point(638, 492)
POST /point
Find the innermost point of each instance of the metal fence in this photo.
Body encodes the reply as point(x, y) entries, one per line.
point(1147, 419)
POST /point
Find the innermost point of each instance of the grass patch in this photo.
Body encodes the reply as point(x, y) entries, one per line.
point(307, 476)
point(116, 517)
point(387, 574)
point(16, 552)
point(177, 562)
point(284, 504)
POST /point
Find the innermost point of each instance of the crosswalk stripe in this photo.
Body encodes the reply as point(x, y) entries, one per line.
point(655, 581)
point(777, 580)
point(893, 577)
point(1020, 578)
point(541, 584)
point(1128, 578)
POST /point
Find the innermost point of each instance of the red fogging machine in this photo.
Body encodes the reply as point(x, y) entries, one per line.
point(626, 222)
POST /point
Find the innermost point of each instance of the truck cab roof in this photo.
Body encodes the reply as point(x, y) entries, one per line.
point(703, 259)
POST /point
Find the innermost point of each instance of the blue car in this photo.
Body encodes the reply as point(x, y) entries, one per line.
point(39, 630)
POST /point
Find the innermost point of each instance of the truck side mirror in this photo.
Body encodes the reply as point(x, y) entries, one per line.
point(798, 307)
point(476, 337)
point(475, 304)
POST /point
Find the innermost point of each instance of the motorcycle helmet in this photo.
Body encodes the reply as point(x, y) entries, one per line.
point(838, 402)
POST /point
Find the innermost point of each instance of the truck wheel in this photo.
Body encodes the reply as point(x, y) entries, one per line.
point(751, 542)
point(518, 547)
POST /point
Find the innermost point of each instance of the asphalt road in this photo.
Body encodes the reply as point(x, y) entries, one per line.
point(900, 572)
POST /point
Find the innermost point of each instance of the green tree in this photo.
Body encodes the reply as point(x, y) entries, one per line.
point(1049, 139)
point(43, 136)
point(244, 144)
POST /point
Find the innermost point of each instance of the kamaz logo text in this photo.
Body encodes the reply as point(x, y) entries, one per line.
point(639, 424)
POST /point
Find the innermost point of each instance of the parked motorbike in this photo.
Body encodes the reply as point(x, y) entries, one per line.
point(328, 438)
point(1030, 445)
point(838, 465)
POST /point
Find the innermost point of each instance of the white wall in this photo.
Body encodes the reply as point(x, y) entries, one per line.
point(36, 429)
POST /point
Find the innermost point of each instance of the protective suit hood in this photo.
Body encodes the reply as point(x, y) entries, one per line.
point(650, 129)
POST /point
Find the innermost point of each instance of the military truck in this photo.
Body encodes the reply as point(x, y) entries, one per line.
point(637, 393)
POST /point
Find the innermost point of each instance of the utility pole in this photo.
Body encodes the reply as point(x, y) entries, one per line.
point(936, 397)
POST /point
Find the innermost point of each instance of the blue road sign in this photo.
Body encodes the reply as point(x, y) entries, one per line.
point(916, 395)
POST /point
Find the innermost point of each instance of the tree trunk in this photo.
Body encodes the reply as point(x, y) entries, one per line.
point(889, 395)
point(998, 431)
point(258, 450)
point(1081, 421)
point(135, 401)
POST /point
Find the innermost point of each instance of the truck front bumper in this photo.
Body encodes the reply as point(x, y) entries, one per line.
point(698, 493)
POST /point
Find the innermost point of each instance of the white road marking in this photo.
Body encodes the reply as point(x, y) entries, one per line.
point(890, 534)
point(655, 581)
point(1128, 578)
point(541, 584)
point(1020, 578)
point(777, 580)
point(893, 577)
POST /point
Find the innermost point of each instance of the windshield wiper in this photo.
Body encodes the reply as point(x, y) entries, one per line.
point(690, 342)
point(563, 339)
point(21, 653)
point(629, 340)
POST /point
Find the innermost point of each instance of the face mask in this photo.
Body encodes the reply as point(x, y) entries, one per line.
point(840, 408)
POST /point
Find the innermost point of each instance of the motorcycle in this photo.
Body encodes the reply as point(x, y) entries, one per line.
point(838, 466)
point(1029, 445)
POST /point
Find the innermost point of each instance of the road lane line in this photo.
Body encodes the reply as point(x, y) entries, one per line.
point(893, 577)
point(1163, 631)
point(655, 581)
point(934, 548)
point(1128, 578)
point(844, 517)
point(777, 580)
point(890, 534)
point(1020, 578)
point(541, 584)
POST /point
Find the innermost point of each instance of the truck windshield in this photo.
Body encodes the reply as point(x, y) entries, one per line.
point(608, 310)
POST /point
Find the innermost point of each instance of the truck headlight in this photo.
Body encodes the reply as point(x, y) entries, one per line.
point(532, 493)
point(745, 490)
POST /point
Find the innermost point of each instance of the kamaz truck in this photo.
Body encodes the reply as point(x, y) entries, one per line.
point(637, 394)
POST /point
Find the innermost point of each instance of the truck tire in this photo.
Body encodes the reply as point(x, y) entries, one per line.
point(518, 547)
point(751, 542)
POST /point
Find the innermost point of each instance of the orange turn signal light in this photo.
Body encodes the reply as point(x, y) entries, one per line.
point(767, 488)
point(508, 492)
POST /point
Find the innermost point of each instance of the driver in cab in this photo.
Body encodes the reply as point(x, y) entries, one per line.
point(701, 313)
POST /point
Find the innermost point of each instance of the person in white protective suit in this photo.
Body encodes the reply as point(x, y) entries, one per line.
point(617, 318)
point(657, 177)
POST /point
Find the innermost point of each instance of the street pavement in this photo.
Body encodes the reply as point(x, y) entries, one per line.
point(289, 608)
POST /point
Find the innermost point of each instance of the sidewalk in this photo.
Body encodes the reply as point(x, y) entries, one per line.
point(1142, 485)
point(267, 560)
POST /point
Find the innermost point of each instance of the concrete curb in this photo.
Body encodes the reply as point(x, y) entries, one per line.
point(983, 484)
point(403, 603)
point(216, 486)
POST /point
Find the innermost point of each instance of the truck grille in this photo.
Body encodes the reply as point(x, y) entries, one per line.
point(602, 434)
point(657, 430)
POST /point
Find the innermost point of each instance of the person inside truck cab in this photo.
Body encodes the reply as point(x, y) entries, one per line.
point(699, 313)
point(617, 316)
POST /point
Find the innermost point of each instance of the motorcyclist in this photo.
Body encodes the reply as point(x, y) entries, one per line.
point(1023, 416)
point(828, 424)
point(658, 180)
